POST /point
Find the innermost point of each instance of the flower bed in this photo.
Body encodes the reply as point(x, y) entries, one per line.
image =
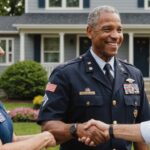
point(24, 114)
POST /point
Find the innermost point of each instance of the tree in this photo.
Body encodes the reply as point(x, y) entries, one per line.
point(11, 7)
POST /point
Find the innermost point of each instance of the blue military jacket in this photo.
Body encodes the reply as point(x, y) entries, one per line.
point(79, 91)
point(6, 127)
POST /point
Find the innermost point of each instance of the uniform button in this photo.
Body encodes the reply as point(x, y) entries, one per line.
point(114, 122)
point(89, 63)
point(114, 102)
point(90, 68)
point(88, 103)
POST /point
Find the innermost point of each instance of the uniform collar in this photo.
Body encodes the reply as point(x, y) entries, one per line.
point(101, 63)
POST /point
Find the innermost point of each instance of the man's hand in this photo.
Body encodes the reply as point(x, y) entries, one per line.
point(96, 133)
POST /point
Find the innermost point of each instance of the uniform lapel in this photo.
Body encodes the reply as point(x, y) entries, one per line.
point(120, 75)
point(93, 68)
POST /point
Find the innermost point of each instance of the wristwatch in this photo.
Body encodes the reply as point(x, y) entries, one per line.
point(73, 130)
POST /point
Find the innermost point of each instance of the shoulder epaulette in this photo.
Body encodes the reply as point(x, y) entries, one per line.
point(125, 62)
point(70, 62)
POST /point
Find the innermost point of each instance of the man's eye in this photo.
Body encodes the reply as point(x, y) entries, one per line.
point(107, 29)
point(120, 30)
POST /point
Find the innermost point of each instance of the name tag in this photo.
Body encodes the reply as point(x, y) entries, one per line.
point(87, 93)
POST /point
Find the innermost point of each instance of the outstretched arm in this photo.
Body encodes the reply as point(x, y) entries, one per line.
point(33, 142)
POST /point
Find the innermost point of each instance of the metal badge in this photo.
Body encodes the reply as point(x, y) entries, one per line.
point(129, 80)
point(135, 113)
point(2, 118)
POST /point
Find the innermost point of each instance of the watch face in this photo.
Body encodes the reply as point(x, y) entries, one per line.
point(73, 130)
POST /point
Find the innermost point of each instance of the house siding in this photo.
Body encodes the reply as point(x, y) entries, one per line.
point(122, 6)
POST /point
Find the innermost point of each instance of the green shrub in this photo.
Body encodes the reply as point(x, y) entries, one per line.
point(24, 80)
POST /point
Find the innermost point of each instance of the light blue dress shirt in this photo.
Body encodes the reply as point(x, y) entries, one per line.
point(145, 131)
point(102, 63)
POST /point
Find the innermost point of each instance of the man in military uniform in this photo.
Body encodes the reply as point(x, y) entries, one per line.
point(96, 85)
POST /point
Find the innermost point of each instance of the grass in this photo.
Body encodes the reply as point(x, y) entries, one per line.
point(12, 105)
point(24, 128)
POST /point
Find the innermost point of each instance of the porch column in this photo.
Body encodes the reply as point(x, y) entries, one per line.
point(131, 52)
point(22, 46)
point(61, 47)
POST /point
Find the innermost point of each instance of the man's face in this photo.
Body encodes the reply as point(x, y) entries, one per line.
point(106, 36)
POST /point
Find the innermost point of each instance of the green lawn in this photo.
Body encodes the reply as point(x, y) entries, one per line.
point(23, 128)
point(11, 105)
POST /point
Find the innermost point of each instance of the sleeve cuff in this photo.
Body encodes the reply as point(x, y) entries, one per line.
point(145, 131)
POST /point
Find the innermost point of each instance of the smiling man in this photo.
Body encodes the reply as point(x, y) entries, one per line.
point(96, 85)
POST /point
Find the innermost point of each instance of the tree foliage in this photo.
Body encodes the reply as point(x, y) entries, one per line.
point(11, 7)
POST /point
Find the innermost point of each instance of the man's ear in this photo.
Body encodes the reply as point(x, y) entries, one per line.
point(89, 32)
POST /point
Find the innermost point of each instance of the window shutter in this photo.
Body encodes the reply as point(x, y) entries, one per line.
point(140, 3)
point(41, 3)
point(37, 48)
point(86, 3)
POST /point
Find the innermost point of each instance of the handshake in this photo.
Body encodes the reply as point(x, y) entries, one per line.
point(94, 132)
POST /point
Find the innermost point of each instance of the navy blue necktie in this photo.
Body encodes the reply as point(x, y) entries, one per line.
point(108, 74)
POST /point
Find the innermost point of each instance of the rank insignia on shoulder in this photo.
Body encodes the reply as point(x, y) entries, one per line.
point(87, 91)
point(131, 88)
point(129, 80)
point(2, 118)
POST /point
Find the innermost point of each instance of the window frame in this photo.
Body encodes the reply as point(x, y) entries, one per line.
point(64, 6)
point(146, 4)
point(7, 62)
point(42, 49)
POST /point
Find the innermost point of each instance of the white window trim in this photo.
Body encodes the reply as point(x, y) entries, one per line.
point(64, 6)
point(7, 52)
point(42, 47)
point(146, 5)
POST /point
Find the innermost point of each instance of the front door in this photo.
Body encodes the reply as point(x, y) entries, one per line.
point(141, 54)
point(85, 44)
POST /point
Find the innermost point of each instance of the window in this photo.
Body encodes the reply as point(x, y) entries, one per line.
point(51, 49)
point(147, 4)
point(7, 45)
point(64, 4)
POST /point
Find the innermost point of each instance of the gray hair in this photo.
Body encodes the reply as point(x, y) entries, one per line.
point(96, 12)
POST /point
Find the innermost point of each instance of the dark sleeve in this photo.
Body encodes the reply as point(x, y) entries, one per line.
point(56, 98)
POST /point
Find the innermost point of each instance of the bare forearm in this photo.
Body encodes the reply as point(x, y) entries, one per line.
point(59, 129)
point(128, 132)
point(35, 143)
point(22, 137)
